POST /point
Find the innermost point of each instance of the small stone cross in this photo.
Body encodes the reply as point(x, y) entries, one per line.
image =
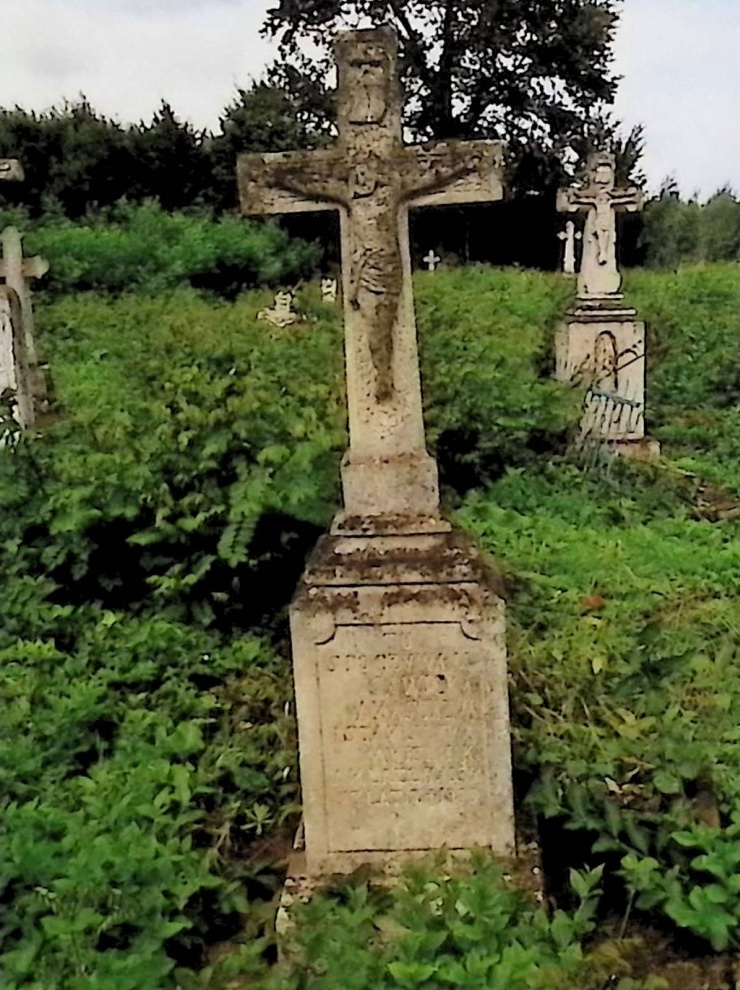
point(431, 261)
point(17, 273)
point(600, 200)
point(569, 236)
point(372, 178)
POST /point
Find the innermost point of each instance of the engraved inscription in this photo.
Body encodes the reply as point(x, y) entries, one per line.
point(405, 739)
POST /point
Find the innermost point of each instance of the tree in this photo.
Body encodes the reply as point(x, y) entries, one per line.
point(168, 161)
point(535, 73)
point(720, 227)
point(264, 118)
point(74, 159)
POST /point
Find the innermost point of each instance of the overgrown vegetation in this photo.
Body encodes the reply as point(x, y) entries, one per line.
point(152, 538)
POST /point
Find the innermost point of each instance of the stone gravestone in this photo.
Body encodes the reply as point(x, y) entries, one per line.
point(601, 342)
point(569, 236)
point(15, 377)
point(282, 314)
point(432, 260)
point(397, 626)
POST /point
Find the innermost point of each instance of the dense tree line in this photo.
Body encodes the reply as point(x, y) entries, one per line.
point(77, 160)
point(678, 230)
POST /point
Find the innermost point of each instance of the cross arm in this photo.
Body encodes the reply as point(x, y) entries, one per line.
point(573, 200)
point(632, 199)
point(452, 172)
point(292, 182)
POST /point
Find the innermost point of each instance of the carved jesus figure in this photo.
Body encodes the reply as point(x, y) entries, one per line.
point(600, 200)
point(372, 178)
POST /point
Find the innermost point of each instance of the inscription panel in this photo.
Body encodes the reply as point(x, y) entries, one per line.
point(409, 720)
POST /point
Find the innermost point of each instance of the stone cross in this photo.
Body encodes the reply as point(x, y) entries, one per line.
point(431, 261)
point(569, 236)
point(373, 179)
point(17, 272)
point(600, 200)
point(15, 376)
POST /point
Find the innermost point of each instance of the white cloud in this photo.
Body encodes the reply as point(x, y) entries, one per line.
point(127, 55)
point(679, 59)
point(681, 79)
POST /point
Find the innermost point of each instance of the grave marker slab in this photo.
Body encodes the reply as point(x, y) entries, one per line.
point(398, 624)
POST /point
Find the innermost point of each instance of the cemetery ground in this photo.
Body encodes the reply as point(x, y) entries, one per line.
point(152, 539)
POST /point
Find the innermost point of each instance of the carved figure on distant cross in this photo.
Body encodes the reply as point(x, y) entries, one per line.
point(281, 315)
point(569, 236)
point(600, 200)
point(431, 261)
point(372, 178)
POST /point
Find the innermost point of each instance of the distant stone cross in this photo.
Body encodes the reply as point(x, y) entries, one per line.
point(431, 261)
point(372, 178)
point(569, 236)
point(281, 315)
point(600, 200)
point(17, 273)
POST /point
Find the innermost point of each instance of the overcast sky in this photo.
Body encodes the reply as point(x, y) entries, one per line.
point(679, 59)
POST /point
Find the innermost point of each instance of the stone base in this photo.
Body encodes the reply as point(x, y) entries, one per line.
point(397, 486)
point(399, 661)
point(523, 871)
point(645, 450)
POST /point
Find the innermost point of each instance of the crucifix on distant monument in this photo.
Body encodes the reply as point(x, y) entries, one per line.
point(373, 179)
point(569, 236)
point(600, 200)
point(431, 261)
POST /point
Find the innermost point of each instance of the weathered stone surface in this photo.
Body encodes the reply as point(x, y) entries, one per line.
point(397, 627)
point(604, 349)
point(600, 200)
point(373, 179)
point(18, 273)
point(15, 375)
point(400, 668)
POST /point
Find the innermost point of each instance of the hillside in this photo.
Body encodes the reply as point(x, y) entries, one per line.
point(151, 541)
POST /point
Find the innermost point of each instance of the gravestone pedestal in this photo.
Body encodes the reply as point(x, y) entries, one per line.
point(400, 671)
point(602, 344)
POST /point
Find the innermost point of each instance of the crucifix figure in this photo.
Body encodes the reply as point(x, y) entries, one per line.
point(569, 236)
point(17, 272)
point(600, 200)
point(431, 261)
point(373, 179)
